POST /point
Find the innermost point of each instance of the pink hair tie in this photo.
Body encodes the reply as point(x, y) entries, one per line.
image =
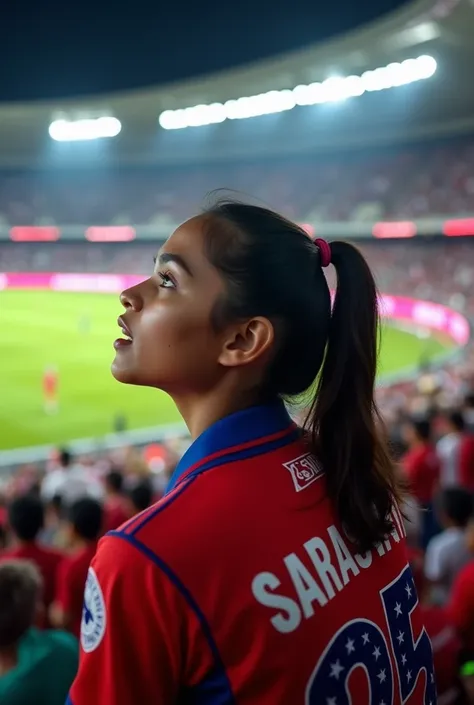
point(324, 251)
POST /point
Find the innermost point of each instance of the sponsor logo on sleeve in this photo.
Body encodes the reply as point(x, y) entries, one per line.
point(93, 614)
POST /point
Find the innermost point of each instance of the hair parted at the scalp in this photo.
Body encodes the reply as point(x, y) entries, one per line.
point(273, 269)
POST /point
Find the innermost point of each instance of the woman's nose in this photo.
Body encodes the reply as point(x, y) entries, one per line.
point(130, 298)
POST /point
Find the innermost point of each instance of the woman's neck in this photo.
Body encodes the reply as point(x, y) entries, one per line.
point(199, 413)
point(8, 660)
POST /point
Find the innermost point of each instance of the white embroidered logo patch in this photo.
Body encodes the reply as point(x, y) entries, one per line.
point(304, 471)
point(93, 614)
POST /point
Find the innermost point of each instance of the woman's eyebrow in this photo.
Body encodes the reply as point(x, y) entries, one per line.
point(166, 257)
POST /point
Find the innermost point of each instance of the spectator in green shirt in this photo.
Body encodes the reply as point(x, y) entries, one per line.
point(36, 667)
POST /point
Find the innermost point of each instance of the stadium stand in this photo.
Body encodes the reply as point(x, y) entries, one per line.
point(388, 184)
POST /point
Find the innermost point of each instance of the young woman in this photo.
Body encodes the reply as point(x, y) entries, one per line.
point(274, 571)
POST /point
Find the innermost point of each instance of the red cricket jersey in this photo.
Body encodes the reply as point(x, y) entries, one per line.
point(240, 586)
point(422, 469)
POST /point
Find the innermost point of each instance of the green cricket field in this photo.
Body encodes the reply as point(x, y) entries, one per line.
point(74, 332)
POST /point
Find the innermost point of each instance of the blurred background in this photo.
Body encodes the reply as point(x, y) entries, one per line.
point(356, 122)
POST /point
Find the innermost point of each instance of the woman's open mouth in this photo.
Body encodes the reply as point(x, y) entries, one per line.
point(127, 336)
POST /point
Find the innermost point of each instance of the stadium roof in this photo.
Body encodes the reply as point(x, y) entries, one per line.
point(440, 106)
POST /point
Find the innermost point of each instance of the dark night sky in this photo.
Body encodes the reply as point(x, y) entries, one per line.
point(52, 49)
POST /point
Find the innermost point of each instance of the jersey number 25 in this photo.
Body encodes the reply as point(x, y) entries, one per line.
point(361, 643)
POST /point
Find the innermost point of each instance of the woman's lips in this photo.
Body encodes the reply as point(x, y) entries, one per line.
point(122, 343)
point(128, 338)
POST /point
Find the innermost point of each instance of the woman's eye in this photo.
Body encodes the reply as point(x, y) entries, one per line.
point(166, 281)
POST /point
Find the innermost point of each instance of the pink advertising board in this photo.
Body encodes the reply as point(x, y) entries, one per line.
point(422, 313)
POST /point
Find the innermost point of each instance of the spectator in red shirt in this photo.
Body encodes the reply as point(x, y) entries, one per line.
point(26, 519)
point(421, 466)
point(114, 510)
point(420, 462)
point(85, 518)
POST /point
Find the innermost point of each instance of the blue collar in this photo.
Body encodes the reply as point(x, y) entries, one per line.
point(253, 431)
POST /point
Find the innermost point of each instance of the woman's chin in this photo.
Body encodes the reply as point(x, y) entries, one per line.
point(122, 374)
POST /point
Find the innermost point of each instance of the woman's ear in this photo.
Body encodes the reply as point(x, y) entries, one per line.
point(247, 342)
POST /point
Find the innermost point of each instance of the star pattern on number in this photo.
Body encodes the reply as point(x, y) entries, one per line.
point(350, 646)
point(361, 644)
point(336, 669)
point(410, 644)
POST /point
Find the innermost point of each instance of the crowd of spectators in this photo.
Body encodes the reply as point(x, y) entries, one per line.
point(51, 523)
point(52, 520)
point(436, 456)
point(414, 182)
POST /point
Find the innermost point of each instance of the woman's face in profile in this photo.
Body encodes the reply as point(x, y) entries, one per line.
point(173, 345)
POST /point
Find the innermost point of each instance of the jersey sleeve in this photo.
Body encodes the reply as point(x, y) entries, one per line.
point(131, 634)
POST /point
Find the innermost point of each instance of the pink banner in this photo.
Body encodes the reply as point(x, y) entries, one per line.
point(428, 315)
point(421, 313)
point(95, 283)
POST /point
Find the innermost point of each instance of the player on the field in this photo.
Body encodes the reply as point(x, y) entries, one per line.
point(50, 389)
point(274, 570)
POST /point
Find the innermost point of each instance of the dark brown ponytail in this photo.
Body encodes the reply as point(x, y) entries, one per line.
point(343, 421)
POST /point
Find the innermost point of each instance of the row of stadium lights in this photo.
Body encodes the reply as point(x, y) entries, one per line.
point(332, 90)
